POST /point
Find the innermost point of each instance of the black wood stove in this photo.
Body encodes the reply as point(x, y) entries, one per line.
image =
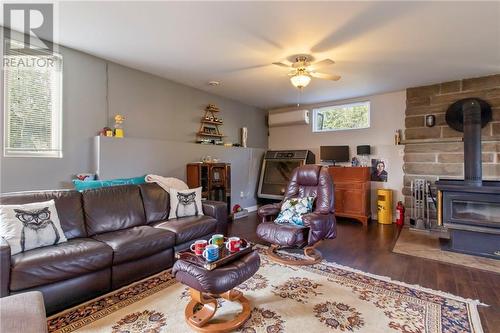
point(470, 208)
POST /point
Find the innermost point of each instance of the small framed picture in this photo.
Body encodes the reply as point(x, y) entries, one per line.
point(379, 170)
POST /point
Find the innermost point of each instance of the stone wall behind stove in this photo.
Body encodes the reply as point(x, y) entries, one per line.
point(437, 152)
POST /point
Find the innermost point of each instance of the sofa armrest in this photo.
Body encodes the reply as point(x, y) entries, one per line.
point(269, 211)
point(218, 210)
point(4, 267)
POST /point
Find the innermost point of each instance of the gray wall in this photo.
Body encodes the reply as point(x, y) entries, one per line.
point(386, 116)
point(130, 157)
point(154, 108)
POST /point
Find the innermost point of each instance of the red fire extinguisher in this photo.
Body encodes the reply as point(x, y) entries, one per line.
point(400, 213)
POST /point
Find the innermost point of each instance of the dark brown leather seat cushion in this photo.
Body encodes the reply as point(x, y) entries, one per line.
point(219, 280)
point(113, 208)
point(137, 242)
point(68, 204)
point(59, 262)
point(189, 228)
point(283, 234)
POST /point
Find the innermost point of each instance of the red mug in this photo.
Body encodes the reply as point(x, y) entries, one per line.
point(199, 246)
point(233, 244)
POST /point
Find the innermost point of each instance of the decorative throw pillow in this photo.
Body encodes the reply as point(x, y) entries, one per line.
point(293, 209)
point(185, 203)
point(30, 226)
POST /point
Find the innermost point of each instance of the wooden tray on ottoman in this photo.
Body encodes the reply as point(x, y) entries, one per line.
point(225, 255)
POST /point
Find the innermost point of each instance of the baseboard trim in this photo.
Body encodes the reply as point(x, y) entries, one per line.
point(252, 208)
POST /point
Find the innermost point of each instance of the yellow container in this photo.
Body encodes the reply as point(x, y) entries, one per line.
point(384, 206)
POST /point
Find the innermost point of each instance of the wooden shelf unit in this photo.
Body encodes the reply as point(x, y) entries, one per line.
point(214, 180)
point(214, 135)
point(352, 192)
point(213, 125)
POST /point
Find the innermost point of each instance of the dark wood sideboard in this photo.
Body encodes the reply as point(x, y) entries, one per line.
point(214, 180)
point(352, 192)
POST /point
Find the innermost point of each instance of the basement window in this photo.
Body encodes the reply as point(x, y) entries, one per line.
point(33, 107)
point(341, 117)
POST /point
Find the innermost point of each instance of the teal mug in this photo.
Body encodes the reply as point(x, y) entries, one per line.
point(217, 239)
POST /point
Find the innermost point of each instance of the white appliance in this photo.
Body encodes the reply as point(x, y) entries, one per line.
point(287, 118)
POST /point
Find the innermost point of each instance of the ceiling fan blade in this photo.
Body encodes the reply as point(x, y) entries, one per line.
point(281, 64)
point(323, 63)
point(325, 76)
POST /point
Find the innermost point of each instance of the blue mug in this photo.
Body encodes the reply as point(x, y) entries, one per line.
point(211, 252)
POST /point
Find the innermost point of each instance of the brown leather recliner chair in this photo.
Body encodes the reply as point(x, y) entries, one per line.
point(307, 180)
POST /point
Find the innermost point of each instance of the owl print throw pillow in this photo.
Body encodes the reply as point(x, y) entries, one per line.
point(30, 226)
point(185, 203)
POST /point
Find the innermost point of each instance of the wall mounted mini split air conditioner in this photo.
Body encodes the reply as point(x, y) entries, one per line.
point(288, 118)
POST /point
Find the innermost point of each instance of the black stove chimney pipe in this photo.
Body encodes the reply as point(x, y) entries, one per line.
point(472, 142)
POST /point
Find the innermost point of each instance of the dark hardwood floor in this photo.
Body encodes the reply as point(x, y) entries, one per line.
point(369, 250)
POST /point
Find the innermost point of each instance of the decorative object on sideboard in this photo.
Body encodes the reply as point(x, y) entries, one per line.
point(209, 159)
point(364, 152)
point(244, 137)
point(118, 132)
point(209, 131)
point(470, 207)
point(430, 120)
point(355, 162)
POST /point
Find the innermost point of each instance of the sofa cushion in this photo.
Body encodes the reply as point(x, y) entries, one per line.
point(137, 242)
point(58, 262)
point(113, 208)
point(156, 202)
point(189, 228)
point(68, 205)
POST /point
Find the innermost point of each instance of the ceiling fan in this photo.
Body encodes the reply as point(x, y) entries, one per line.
point(302, 70)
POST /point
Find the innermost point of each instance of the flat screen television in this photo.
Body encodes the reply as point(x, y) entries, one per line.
point(334, 154)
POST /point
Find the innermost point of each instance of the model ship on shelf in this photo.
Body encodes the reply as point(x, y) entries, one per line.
point(209, 132)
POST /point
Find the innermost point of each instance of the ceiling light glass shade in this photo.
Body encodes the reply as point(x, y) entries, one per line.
point(300, 80)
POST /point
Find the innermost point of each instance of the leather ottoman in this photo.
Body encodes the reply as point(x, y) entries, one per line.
point(206, 286)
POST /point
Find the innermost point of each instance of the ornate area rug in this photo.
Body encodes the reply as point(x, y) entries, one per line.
point(325, 297)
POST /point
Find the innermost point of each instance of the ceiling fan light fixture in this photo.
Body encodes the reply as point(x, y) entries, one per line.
point(300, 80)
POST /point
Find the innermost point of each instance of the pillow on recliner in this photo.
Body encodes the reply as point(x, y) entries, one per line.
point(293, 209)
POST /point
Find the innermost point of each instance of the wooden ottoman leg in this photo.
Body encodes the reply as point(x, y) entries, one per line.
point(199, 320)
point(202, 316)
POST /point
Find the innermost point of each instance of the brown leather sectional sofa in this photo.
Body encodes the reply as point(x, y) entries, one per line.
point(116, 235)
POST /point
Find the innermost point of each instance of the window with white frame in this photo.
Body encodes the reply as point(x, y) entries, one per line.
point(33, 107)
point(341, 117)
